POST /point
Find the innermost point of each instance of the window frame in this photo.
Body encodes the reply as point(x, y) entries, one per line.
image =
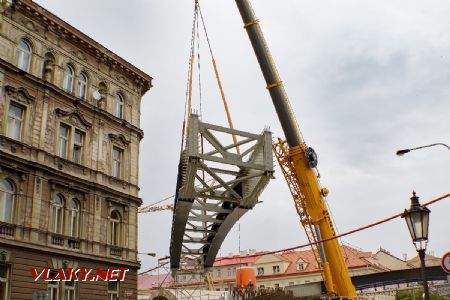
point(8, 116)
point(119, 106)
point(66, 138)
point(114, 172)
point(82, 86)
point(69, 79)
point(67, 289)
point(112, 293)
point(301, 265)
point(57, 213)
point(13, 194)
point(21, 53)
point(5, 281)
point(115, 229)
point(74, 213)
point(71, 143)
point(53, 286)
point(276, 269)
point(78, 147)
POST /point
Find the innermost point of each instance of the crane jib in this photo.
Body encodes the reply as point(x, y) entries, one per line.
point(273, 81)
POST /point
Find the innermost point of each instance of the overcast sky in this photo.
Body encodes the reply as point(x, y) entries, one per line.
point(365, 78)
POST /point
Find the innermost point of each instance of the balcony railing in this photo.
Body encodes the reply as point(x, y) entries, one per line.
point(73, 243)
point(6, 229)
point(58, 240)
point(116, 251)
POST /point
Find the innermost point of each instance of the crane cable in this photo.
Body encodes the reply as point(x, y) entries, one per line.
point(188, 99)
point(219, 82)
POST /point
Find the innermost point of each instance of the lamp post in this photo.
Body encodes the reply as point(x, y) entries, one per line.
point(404, 151)
point(417, 218)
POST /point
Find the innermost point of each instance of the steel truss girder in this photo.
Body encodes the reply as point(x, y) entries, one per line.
point(215, 188)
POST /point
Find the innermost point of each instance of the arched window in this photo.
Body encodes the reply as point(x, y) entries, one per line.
point(57, 214)
point(7, 194)
point(114, 227)
point(23, 55)
point(118, 106)
point(68, 78)
point(74, 217)
point(82, 86)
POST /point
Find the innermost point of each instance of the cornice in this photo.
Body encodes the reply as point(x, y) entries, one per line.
point(62, 251)
point(12, 161)
point(68, 32)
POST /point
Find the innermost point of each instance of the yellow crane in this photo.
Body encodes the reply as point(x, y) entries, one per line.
point(298, 163)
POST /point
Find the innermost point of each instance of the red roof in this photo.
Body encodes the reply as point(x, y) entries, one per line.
point(353, 258)
point(237, 259)
point(153, 281)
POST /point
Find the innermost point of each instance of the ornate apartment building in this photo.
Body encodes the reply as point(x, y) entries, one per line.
point(69, 158)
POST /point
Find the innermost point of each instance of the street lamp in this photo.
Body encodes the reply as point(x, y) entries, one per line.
point(404, 151)
point(417, 218)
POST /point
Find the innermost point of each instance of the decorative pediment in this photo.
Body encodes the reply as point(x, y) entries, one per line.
point(19, 94)
point(119, 140)
point(74, 118)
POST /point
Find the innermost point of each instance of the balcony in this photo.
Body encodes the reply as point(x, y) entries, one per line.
point(7, 229)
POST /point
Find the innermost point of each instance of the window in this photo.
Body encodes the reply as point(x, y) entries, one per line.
point(229, 274)
point(4, 282)
point(15, 122)
point(70, 290)
point(301, 266)
point(114, 227)
point(78, 141)
point(7, 194)
point(219, 273)
point(53, 288)
point(68, 79)
point(276, 269)
point(57, 214)
point(64, 135)
point(117, 156)
point(82, 86)
point(260, 271)
point(23, 55)
point(74, 217)
point(113, 290)
point(118, 106)
point(291, 283)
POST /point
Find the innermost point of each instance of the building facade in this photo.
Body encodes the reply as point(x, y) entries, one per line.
point(69, 158)
point(287, 270)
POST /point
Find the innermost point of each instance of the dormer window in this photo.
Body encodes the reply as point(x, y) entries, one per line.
point(23, 55)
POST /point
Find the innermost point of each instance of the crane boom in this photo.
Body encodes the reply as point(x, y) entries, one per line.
point(303, 161)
